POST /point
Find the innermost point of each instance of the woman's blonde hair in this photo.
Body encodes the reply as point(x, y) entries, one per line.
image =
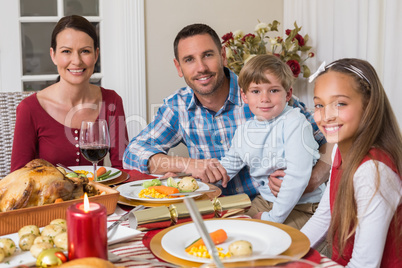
point(378, 128)
point(254, 71)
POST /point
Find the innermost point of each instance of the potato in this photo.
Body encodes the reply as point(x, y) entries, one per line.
point(36, 249)
point(62, 170)
point(61, 222)
point(240, 248)
point(2, 256)
point(60, 241)
point(8, 246)
point(187, 184)
point(29, 229)
point(43, 239)
point(26, 241)
point(52, 230)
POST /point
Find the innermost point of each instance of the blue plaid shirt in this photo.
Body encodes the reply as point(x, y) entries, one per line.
point(182, 119)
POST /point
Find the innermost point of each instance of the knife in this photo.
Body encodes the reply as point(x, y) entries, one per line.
point(178, 176)
point(124, 217)
point(202, 230)
point(193, 193)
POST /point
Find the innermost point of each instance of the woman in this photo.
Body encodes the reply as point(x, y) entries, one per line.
point(48, 122)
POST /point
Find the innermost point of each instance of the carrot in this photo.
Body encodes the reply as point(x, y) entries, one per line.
point(218, 236)
point(165, 189)
point(58, 200)
point(100, 171)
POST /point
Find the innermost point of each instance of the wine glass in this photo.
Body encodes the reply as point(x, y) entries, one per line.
point(94, 141)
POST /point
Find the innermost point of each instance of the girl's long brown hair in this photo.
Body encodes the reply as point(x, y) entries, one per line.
point(378, 129)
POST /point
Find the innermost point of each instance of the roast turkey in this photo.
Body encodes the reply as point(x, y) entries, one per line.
point(38, 183)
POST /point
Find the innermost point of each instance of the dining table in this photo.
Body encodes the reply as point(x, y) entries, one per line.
point(137, 251)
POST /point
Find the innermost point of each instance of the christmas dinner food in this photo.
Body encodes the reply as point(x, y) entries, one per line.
point(39, 183)
point(239, 248)
point(52, 236)
point(154, 188)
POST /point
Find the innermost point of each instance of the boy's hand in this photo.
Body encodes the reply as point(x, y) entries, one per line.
point(274, 182)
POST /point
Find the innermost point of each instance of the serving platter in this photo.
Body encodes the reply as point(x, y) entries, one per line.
point(20, 257)
point(299, 246)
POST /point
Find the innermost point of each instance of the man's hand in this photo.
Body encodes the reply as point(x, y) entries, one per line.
point(274, 182)
point(207, 170)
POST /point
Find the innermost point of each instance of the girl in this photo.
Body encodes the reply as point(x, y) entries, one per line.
point(361, 207)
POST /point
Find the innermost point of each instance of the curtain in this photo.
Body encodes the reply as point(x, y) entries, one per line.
point(369, 30)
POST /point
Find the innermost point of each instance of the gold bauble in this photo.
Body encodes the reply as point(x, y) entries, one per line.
point(48, 258)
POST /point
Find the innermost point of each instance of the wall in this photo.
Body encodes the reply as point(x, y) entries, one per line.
point(164, 19)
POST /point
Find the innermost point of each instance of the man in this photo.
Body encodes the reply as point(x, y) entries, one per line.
point(204, 116)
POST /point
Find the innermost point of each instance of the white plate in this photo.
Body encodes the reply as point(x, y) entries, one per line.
point(91, 169)
point(131, 192)
point(266, 239)
point(20, 257)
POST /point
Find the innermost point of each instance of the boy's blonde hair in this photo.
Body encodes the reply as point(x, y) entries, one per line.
point(254, 71)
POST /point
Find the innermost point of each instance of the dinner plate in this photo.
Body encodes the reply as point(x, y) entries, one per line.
point(20, 257)
point(91, 169)
point(265, 239)
point(131, 192)
point(300, 246)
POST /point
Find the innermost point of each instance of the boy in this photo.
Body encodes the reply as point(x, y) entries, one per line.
point(278, 137)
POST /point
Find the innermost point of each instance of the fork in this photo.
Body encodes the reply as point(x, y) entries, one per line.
point(124, 217)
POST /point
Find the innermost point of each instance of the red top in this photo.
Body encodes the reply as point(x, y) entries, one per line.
point(38, 135)
point(390, 257)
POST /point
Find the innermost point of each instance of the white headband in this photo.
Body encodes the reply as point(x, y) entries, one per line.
point(351, 68)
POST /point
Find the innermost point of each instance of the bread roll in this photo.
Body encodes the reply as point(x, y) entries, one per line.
point(89, 263)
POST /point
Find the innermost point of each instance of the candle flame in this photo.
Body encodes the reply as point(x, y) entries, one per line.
point(86, 203)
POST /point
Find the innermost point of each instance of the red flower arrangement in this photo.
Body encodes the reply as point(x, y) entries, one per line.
point(292, 49)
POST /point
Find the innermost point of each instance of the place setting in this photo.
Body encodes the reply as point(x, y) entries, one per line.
point(131, 195)
point(271, 243)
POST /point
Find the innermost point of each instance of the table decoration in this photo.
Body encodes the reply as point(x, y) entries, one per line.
point(86, 230)
point(291, 48)
point(153, 218)
point(180, 213)
point(162, 217)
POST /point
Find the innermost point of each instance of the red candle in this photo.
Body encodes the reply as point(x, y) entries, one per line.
point(87, 230)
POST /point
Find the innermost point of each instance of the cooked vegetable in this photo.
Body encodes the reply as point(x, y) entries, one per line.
point(29, 229)
point(60, 241)
point(104, 175)
point(2, 255)
point(110, 175)
point(171, 182)
point(241, 248)
point(100, 171)
point(202, 252)
point(26, 241)
point(218, 236)
point(149, 183)
point(43, 239)
point(61, 222)
point(165, 189)
point(72, 175)
point(52, 230)
point(187, 184)
point(8, 246)
point(36, 249)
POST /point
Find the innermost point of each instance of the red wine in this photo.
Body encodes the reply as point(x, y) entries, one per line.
point(95, 153)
